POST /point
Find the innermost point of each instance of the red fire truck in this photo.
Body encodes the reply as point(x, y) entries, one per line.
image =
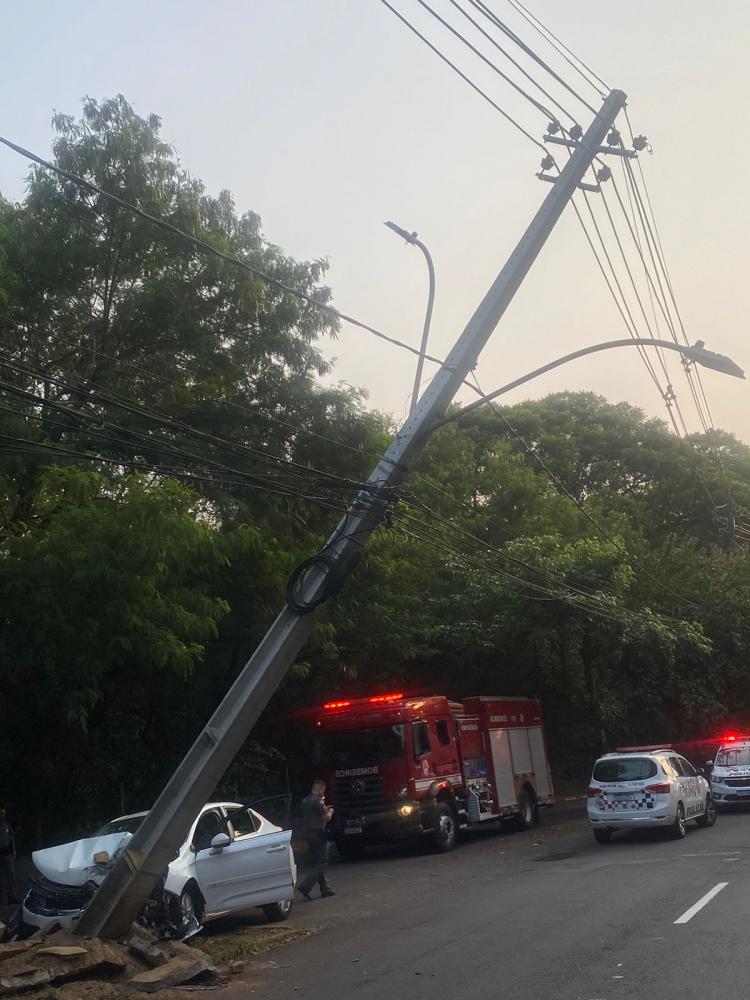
point(399, 766)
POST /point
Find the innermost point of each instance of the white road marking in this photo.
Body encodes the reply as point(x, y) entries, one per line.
point(710, 854)
point(696, 907)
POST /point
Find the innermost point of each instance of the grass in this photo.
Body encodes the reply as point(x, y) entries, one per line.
point(239, 941)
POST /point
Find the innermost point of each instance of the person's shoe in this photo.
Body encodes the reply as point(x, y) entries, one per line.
point(327, 892)
point(307, 895)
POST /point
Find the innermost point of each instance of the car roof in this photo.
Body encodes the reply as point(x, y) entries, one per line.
point(632, 753)
point(734, 744)
point(208, 805)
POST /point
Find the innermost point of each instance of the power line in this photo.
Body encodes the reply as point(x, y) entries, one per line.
point(463, 76)
point(484, 8)
point(515, 62)
point(561, 48)
point(208, 248)
point(488, 62)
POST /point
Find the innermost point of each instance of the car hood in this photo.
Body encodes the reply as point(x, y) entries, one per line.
point(73, 863)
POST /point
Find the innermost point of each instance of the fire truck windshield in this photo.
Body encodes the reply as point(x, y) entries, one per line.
point(733, 756)
point(362, 746)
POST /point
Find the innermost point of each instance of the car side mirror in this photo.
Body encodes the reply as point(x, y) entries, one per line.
point(220, 841)
point(709, 763)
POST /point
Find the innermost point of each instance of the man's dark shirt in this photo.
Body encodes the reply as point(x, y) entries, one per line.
point(313, 814)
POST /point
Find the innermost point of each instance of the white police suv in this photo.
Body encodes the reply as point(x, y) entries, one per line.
point(641, 789)
point(730, 773)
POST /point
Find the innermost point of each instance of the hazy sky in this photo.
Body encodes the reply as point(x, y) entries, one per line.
point(327, 117)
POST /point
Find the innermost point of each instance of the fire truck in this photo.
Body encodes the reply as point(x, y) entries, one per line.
point(399, 766)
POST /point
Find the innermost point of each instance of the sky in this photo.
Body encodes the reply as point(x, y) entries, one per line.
point(327, 117)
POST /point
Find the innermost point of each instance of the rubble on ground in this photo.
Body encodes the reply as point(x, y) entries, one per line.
point(139, 963)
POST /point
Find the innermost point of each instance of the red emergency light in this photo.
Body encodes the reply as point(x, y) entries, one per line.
point(336, 704)
point(380, 699)
point(729, 738)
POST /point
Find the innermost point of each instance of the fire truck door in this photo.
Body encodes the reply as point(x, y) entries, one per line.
point(502, 765)
point(539, 761)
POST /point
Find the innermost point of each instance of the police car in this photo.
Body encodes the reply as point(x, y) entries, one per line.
point(639, 790)
point(730, 772)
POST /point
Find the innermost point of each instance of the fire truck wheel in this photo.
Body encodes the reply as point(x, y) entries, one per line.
point(528, 814)
point(446, 828)
point(602, 836)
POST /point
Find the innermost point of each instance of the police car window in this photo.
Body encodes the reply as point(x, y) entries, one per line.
point(668, 767)
point(624, 769)
point(206, 829)
point(687, 768)
point(677, 767)
point(733, 757)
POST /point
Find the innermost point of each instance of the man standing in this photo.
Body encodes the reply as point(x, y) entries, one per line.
point(7, 860)
point(315, 814)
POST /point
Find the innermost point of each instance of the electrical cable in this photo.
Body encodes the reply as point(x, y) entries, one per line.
point(464, 77)
point(491, 16)
point(554, 41)
point(228, 258)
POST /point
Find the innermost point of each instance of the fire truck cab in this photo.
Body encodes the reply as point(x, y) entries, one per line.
point(398, 766)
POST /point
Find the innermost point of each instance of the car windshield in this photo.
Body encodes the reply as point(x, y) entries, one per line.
point(625, 769)
point(733, 757)
point(365, 746)
point(129, 824)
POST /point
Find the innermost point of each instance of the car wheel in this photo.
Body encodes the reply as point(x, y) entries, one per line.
point(446, 828)
point(528, 814)
point(709, 816)
point(602, 836)
point(679, 827)
point(276, 912)
point(189, 909)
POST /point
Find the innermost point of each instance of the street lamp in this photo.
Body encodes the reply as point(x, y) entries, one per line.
point(412, 238)
point(698, 353)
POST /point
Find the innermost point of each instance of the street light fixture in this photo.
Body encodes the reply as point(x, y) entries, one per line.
point(412, 238)
point(698, 353)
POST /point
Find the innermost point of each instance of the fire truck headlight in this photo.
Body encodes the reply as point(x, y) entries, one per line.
point(406, 810)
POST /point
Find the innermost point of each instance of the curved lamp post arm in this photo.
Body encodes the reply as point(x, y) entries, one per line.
point(412, 238)
point(697, 353)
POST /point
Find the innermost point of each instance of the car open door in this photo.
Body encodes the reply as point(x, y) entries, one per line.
point(254, 869)
point(278, 809)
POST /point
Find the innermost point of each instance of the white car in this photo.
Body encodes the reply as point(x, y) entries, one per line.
point(730, 773)
point(233, 859)
point(639, 790)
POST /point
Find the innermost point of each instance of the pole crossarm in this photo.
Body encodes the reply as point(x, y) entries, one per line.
point(124, 891)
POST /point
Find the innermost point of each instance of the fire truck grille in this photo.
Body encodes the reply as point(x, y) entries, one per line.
point(738, 782)
point(358, 795)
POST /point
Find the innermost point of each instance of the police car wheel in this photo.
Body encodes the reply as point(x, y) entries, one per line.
point(602, 836)
point(679, 827)
point(709, 816)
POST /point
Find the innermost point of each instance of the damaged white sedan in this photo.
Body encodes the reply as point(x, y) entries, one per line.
point(233, 859)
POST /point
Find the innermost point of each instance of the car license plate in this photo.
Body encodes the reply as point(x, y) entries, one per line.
point(744, 792)
point(352, 829)
point(622, 797)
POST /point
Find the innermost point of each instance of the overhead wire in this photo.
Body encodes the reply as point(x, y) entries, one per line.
point(573, 60)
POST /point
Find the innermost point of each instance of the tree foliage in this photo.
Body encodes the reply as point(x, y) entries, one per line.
point(168, 454)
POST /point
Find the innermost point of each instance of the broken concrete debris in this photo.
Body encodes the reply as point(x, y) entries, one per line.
point(144, 962)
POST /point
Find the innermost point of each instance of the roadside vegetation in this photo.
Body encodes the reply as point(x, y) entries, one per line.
point(168, 455)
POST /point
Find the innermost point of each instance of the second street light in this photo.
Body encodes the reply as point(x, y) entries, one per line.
point(698, 354)
point(412, 238)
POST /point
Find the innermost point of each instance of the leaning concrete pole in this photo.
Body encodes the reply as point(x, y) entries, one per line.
point(126, 888)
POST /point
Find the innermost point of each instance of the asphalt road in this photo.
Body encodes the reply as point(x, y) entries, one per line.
point(545, 914)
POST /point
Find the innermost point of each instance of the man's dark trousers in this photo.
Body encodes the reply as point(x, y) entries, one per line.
point(317, 844)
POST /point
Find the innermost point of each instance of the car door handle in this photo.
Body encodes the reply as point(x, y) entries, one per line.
point(275, 850)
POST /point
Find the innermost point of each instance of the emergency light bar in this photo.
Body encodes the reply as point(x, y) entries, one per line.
point(376, 699)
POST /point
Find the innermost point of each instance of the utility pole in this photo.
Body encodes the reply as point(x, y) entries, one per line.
point(126, 888)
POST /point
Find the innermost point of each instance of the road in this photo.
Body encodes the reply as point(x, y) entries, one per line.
point(548, 913)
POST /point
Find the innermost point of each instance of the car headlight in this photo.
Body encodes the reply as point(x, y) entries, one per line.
point(717, 779)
